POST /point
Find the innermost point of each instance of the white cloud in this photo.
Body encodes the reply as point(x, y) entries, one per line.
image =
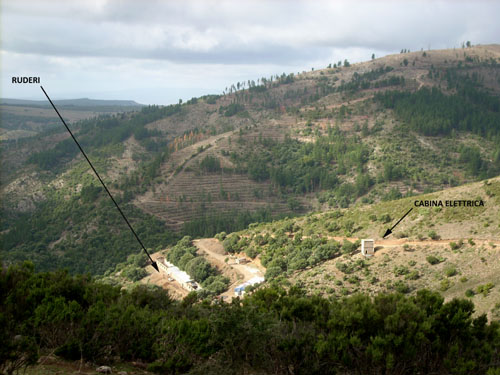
point(108, 46)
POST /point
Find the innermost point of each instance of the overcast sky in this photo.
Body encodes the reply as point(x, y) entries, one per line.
point(156, 52)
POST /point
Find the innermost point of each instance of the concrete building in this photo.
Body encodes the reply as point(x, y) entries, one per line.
point(367, 247)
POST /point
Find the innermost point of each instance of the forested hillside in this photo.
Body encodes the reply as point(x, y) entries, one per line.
point(280, 146)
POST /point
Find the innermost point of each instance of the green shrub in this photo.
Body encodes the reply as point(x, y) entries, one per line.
point(401, 287)
point(433, 235)
point(469, 293)
point(385, 218)
point(251, 252)
point(353, 280)
point(134, 273)
point(485, 288)
point(450, 271)
point(342, 267)
point(231, 242)
point(445, 285)
point(413, 275)
point(199, 269)
point(273, 272)
point(400, 270)
point(349, 247)
point(221, 236)
point(216, 284)
point(432, 259)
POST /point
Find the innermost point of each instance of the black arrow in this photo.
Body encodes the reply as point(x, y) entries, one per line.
point(389, 231)
point(153, 263)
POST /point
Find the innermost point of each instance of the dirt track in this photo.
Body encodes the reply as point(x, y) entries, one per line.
point(237, 273)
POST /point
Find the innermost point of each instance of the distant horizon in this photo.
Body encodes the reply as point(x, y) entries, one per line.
point(68, 99)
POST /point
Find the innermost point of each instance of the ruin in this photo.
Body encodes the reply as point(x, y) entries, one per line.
point(177, 274)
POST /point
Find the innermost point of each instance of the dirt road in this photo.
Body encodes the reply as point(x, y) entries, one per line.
point(237, 273)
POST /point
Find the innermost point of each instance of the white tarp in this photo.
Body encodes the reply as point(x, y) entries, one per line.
point(252, 281)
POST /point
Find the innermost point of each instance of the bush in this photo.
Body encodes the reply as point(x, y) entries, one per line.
point(444, 285)
point(413, 275)
point(469, 293)
point(349, 247)
point(231, 242)
point(456, 246)
point(450, 271)
point(216, 284)
point(199, 269)
point(401, 287)
point(385, 218)
point(432, 259)
point(400, 270)
point(251, 252)
point(134, 273)
point(485, 288)
point(221, 236)
point(273, 272)
point(433, 235)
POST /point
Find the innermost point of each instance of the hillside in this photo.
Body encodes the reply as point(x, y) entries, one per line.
point(346, 136)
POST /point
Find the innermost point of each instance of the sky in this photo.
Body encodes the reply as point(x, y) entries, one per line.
point(157, 52)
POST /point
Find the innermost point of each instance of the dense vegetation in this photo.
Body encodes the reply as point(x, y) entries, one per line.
point(95, 236)
point(284, 251)
point(431, 112)
point(271, 331)
point(295, 167)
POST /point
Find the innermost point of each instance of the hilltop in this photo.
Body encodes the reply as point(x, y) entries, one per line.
point(345, 136)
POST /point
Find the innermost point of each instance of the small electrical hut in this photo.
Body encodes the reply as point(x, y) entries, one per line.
point(367, 247)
